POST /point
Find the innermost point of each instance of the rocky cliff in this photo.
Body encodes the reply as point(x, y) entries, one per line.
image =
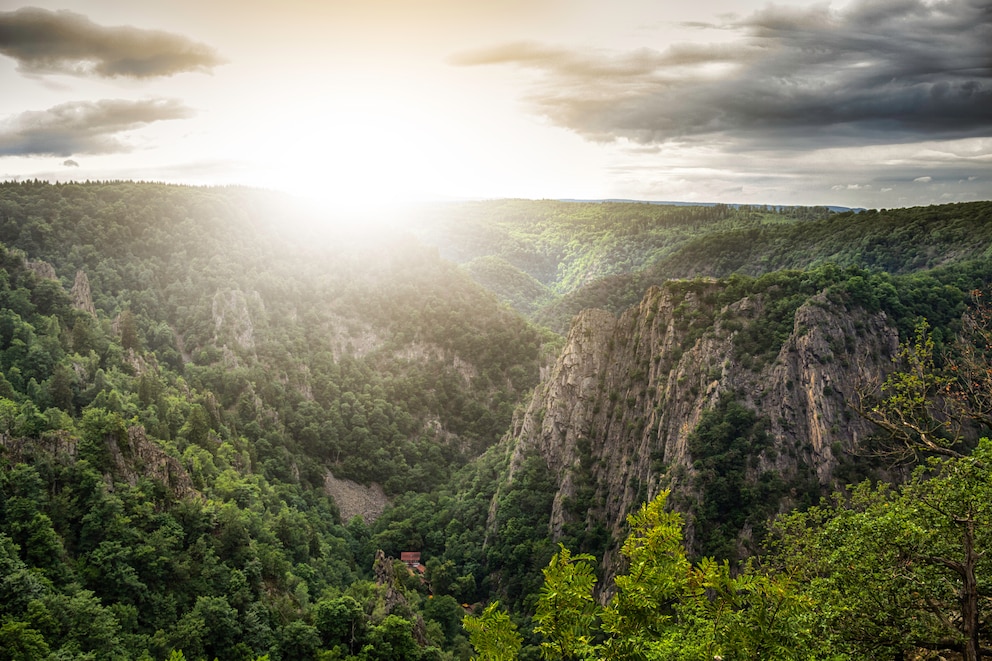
point(129, 457)
point(615, 416)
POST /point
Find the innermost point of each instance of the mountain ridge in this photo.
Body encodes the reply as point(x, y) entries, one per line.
point(675, 203)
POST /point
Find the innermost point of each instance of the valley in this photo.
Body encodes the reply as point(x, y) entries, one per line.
point(223, 423)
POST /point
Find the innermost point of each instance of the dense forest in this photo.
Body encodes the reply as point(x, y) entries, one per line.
point(189, 375)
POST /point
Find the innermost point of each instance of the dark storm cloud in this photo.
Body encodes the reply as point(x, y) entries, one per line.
point(880, 71)
point(45, 42)
point(83, 127)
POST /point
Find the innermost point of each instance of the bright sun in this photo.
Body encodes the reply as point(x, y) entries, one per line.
point(359, 157)
point(368, 146)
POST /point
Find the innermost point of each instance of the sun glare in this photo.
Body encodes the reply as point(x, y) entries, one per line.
point(357, 158)
point(367, 145)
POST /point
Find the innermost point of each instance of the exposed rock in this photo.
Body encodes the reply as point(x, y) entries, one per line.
point(132, 457)
point(233, 319)
point(82, 297)
point(385, 575)
point(384, 571)
point(59, 444)
point(138, 457)
point(425, 353)
point(629, 391)
point(181, 346)
point(351, 337)
point(355, 499)
point(41, 269)
point(140, 362)
point(305, 385)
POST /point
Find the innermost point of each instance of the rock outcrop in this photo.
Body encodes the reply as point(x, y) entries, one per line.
point(41, 268)
point(137, 456)
point(132, 457)
point(233, 311)
point(392, 599)
point(81, 296)
point(614, 414)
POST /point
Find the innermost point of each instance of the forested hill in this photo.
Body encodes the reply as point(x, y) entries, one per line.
point(317, 344)
point(551, 259)
point(183, 372)
point(201, 388)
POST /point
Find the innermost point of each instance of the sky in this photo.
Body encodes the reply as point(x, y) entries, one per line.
point(871, 103)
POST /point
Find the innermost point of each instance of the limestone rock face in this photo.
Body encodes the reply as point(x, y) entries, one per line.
point(617, 408)
point(383, 569)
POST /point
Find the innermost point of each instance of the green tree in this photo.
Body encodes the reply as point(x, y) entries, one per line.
point(747, 614)
point(890, 570)
point(22, 504)
point(914, 409)
point(197, 427)
point(19, 642)
point(340, 621)
point(566, 609)
point(727, 439)
point(30, 423)
point(128, 326)
point(392, 640)
point(298, 640)
point(9, 411)
point(99, 429)
point(76, 620)
point(447, 612)
point(643, 607)
point(211, 629)
point(493, 635)
point(60, 388)
point(667, 608)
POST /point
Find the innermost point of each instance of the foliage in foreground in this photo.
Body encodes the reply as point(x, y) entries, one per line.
point(875, 572)
point(879, 571)
point(887, 570)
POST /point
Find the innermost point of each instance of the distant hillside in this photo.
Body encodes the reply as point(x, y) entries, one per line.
point(673, 203)
point(606, 254)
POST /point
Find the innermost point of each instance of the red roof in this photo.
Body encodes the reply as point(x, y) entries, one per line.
point(410, 557)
